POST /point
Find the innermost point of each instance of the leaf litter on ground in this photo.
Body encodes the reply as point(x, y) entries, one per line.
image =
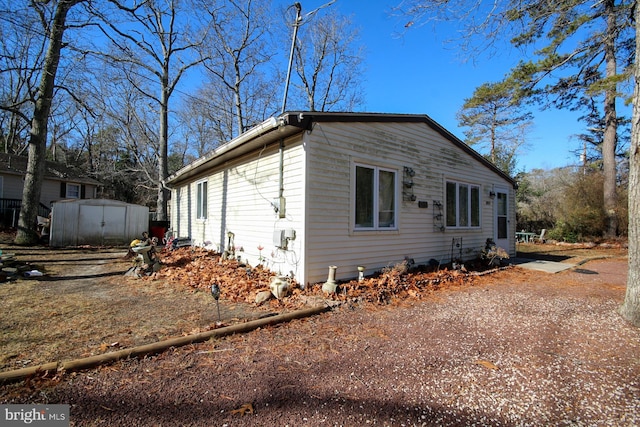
point(199, 268)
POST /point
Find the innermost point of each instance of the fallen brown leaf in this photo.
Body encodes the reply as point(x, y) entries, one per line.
point(245, 409)
point(486, 364)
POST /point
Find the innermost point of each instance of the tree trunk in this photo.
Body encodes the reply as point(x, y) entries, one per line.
point(238, 100)
point(494, 122)
point(630, 309)
point(163, 158)
point(609, 142)
point(27, 233)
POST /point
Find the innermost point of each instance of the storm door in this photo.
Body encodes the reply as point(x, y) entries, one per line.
point(501, 204)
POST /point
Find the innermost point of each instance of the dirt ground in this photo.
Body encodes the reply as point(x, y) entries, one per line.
point(83, 305)
point(515, 347)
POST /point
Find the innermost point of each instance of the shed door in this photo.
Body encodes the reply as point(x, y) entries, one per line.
point(101, 224)
point(113, 224)
point(502, 218)
point(89, 225)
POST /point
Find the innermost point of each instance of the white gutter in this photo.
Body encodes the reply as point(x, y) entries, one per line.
point(264, 127)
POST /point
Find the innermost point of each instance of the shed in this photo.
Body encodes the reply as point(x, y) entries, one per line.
point(307, 190)
point(96, 222)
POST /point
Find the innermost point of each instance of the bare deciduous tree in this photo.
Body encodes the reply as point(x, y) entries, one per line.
point(53, 20)
point(153, 38)
point(240, 89)
point(200, 122)
point(328, 64)
point(22, 48)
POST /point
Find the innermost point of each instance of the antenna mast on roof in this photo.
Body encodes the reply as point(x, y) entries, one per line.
point(296, 25)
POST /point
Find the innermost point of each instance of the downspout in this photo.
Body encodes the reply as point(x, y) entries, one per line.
point(282, 209)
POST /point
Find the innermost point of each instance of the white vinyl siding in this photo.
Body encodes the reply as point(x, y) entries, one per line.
point(241, 199)
point(333, 149)
point(13, 186)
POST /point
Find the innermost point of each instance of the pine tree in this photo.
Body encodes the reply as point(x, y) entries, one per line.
point(494, 117)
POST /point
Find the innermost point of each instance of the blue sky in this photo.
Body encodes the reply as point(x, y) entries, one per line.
point(418, 73)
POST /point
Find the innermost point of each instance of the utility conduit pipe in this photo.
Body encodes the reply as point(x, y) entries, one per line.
point(157, 347)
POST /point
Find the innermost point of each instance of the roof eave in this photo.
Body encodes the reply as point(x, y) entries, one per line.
point(294, 122)
point(306, 117)
point(267, 132)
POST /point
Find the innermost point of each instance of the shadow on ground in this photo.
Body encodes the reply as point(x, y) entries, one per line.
point(555, 257)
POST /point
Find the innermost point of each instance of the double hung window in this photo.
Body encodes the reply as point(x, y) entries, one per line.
point(463, 204)
point(375, 198)
point(73, 191)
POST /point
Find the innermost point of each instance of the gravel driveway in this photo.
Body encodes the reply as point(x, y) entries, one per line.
point(520, 348)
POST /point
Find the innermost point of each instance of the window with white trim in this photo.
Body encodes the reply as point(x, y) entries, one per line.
point(201, 200)
point(375, 198)
point(73, 191)
point(463, 204)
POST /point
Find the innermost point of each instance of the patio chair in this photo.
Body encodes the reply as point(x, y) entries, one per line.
point(540, 237)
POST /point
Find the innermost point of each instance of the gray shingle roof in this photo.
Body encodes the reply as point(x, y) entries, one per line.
point(17, 165)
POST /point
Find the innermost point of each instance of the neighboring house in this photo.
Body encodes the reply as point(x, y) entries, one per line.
point(60, 182)
point(308, 190)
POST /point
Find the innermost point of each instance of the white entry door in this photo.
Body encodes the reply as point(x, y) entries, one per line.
point(502, 218)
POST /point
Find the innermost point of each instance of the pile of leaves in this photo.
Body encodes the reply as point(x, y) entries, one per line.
point(198, 268)
point(402, 282)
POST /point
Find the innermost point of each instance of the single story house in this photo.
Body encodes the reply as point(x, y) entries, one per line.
point(60, 182)
point(304, 191)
